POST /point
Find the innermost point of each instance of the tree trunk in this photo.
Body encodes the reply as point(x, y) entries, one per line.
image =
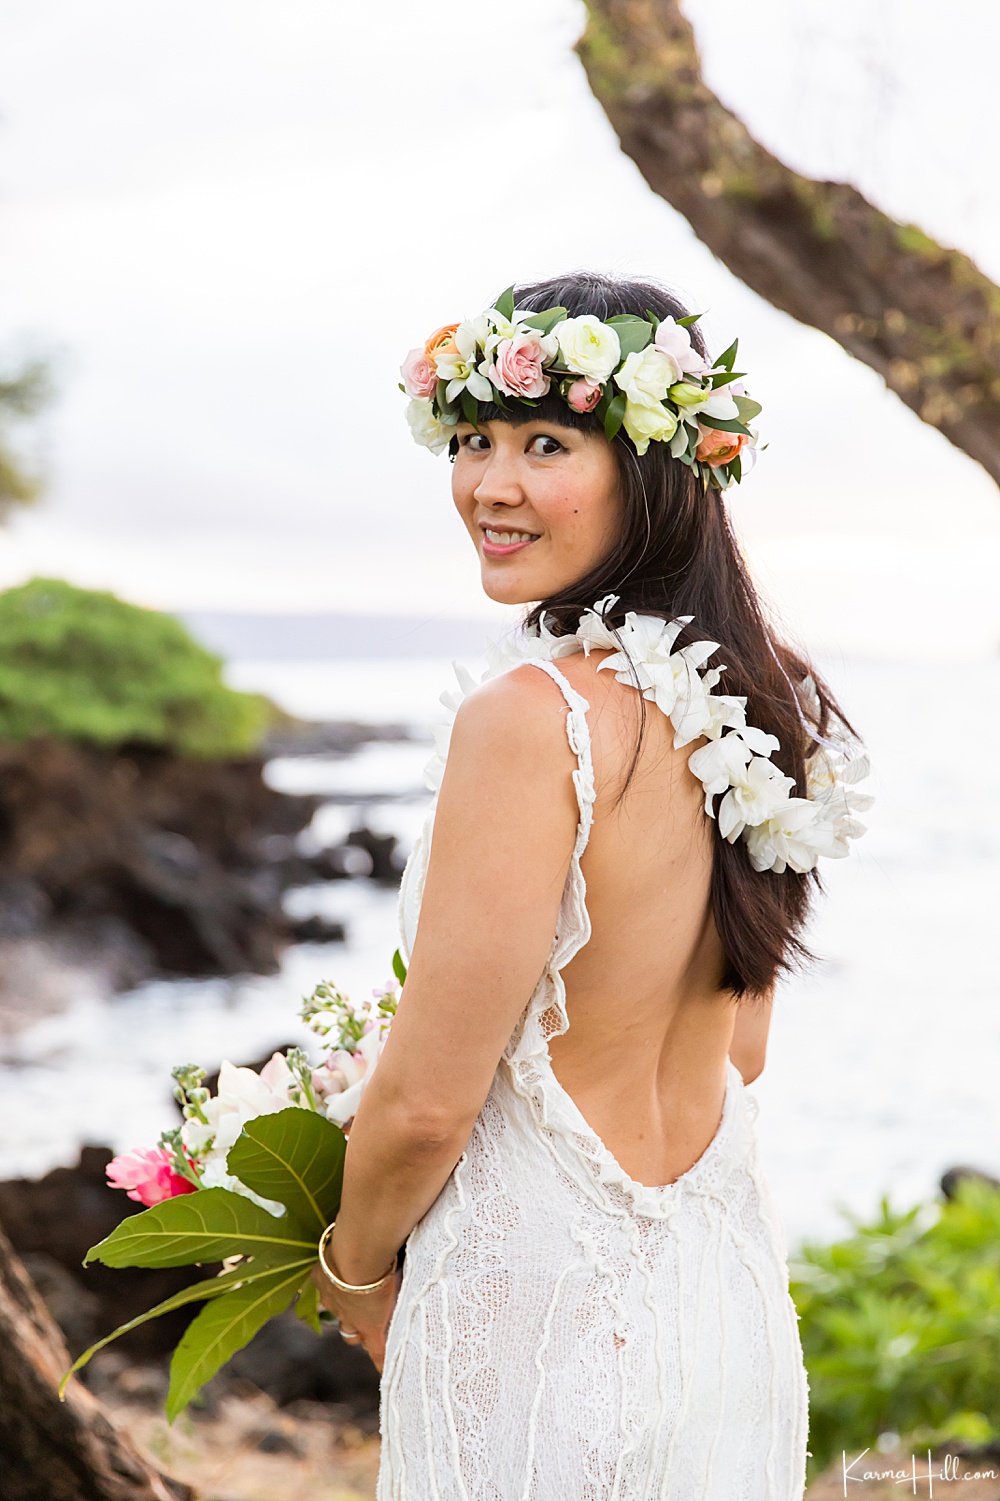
point(52, 1450)
point(925, 317)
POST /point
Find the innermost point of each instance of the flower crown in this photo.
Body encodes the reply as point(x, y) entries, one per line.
point(643, 374)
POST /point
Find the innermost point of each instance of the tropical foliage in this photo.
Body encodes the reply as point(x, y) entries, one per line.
point(900, 1326)
point(86, 666)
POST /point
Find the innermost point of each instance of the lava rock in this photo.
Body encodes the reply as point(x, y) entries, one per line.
point(174, 849)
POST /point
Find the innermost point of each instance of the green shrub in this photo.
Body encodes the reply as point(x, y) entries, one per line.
point(86, 666)
point(900, 1326)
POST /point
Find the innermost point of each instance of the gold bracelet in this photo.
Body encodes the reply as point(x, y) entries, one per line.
point(347, 1287)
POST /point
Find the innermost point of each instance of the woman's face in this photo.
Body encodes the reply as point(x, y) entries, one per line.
point(540, 502)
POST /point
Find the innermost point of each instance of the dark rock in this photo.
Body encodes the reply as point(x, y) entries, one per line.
point(328, 738)
point(386, 857)
point(954, 1175)
point(317, 930)
point(293, 1364)
point(53, 1222)
point(173, 849)
point(278, 1441)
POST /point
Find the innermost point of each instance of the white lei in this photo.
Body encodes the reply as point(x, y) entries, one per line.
point(781, 831)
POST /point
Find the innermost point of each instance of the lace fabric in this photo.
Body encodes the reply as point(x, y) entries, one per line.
point(565, 1333)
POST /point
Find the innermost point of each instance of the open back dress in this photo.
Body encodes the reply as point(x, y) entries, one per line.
point(565, 1333)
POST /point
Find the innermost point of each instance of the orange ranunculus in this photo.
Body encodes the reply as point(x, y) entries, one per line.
point(441, 341)
point(719, 448)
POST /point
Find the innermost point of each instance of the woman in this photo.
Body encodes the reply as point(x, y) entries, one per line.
point(594, 1302)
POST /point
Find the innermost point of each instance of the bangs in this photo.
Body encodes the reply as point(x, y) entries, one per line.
point(549, 408)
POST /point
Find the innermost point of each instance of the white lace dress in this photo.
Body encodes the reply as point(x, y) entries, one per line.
point(564, 1333)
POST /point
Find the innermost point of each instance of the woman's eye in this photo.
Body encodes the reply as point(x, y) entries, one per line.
point(544, 445)
point(477, 442)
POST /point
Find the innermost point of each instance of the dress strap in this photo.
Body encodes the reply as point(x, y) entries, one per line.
point(578, 735)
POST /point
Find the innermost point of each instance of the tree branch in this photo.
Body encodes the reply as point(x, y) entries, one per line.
point(49, 1450)
point(925, 317)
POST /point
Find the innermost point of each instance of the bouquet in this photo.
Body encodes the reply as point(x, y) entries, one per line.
point(251, 1179)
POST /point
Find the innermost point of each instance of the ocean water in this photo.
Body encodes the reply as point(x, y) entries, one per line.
point(883, 1061)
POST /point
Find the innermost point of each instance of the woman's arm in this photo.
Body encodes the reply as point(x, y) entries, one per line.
point(748, 1049)
point(503, 834)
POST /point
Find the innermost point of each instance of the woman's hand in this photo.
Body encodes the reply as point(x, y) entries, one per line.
point(364, 1317)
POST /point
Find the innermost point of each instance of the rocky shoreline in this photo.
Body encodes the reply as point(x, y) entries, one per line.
point(118, 866)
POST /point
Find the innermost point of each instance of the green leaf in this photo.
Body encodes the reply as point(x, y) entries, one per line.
point(296, 1157)
point(726, 424)
point(398, 967)
point(308, 1306)
point(726, 377)
point(505, 304)
point(212, 1287)
point(735, 468)
point(225, 1326)
point(747, 409)
point(614, 416)
point(654, 321)
point(470, 411)
point(728, 359)
point(633, 333)
point(687, 322)
point(546, 322)
point(207, 1225)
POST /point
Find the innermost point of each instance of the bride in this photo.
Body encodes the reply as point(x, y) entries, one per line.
point(594, 1300)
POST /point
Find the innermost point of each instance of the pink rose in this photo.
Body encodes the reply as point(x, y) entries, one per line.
point(518, 367)
point(583, 395)
point(419, 375)
point(147, 1176)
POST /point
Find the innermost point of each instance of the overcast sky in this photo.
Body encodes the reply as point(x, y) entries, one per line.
point(233, 218)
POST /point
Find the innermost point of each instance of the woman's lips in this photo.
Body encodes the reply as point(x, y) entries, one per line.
point(501, 550)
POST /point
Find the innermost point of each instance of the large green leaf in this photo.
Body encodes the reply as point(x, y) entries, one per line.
point(614, 416)
point(546, 322)
point(204, 1226)
point(728, 358)
point(212, 1287)
point(296, 1157)
point(633, 333)
point(308, 1307)
point(226, 1325)
point(505, 304)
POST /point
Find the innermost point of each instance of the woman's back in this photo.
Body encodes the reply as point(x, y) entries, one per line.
point(644, 1058)
point(568, 1325)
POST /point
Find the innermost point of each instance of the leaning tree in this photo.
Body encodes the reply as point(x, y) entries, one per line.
point(922, 315)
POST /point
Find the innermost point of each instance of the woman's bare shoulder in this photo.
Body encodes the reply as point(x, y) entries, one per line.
point(517, 718)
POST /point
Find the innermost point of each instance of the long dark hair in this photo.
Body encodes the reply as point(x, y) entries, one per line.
point(676, 554)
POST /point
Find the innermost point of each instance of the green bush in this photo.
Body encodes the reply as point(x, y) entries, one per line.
point(900, 1326)
point(86, 666)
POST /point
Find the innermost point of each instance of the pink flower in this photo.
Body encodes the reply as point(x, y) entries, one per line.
point(148, 1176)
point(517, 367)
point(675, 341)
point(583, 395)
point(419, 375)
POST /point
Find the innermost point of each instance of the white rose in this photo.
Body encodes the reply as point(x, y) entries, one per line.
point(647, 424)
point(427, 430)
point(588, 346)
point(647, 376)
